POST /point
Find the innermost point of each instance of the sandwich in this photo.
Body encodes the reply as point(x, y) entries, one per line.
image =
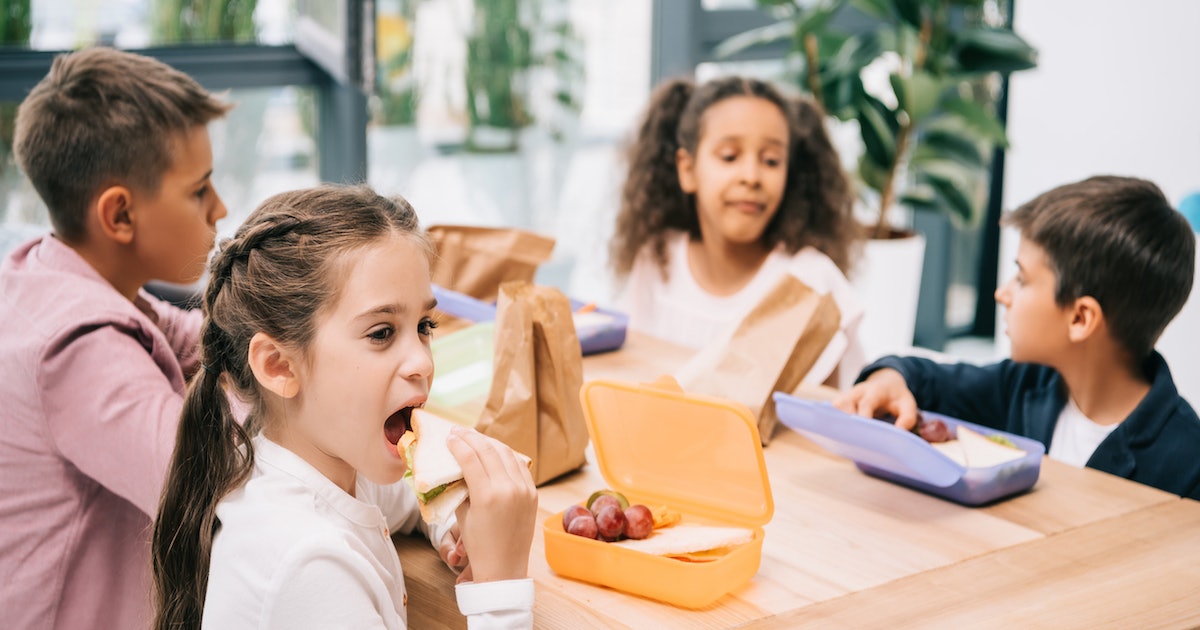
point(974, 450)
point(435, 474)
point(682, 540)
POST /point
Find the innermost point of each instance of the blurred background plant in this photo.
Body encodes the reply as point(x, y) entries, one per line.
point(14, 31)
point(204, 21)
point(396, 94)
point(514, 49)
point(921, 83)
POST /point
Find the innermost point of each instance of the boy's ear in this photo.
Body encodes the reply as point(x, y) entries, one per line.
point(114, 210)
point(683, 166)
point(1086, 318)
point(273, 366)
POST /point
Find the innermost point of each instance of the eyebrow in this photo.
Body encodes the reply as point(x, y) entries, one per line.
point(204, 177)
point(394, 309)
point(774, 141)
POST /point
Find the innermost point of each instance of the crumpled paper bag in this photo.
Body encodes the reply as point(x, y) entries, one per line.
point(771, 350)
point(533, 405)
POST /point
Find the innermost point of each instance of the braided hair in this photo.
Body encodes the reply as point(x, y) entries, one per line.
point(816, 208)
point(274, 276)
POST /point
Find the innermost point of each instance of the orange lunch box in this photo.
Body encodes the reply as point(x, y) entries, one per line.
point(699, 456)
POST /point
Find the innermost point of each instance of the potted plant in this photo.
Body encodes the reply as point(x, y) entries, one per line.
point(920, 81)
point(522, 75)
point(392, 143)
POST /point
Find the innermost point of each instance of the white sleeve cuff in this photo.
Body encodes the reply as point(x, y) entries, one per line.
point(500, 604)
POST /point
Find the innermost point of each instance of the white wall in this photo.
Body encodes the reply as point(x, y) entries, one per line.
point(1116, 91)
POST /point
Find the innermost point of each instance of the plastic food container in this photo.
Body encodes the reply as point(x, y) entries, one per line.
point(599, 329)
point(881, 450)
point(698, 455)
point(462, 368)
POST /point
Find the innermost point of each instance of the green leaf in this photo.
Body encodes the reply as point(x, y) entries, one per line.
point(872, 174)
point(918, 95)
point(769, 34)
point(909, 11)
point(940, 144)
point(958, 188)
point(994, 50)
point(878, 9)
point(878, 136)
point(977, 119)
point(921, 197)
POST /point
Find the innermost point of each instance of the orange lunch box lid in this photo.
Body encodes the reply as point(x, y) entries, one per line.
point(695, 454)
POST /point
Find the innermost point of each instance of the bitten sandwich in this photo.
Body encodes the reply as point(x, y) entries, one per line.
point(436, 475)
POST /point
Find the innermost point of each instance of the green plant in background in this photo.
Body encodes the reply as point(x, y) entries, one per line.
point(198, 21)
point(14, 31)
point(395, 101)
point(508, 41)
point(935, 121)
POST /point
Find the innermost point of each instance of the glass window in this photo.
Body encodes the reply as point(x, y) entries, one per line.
point(71, 24)
point(265, 145)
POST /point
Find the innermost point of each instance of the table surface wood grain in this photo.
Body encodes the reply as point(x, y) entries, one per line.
point(1080, 549)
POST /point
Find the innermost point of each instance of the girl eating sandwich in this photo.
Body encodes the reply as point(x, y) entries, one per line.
point(318, 315)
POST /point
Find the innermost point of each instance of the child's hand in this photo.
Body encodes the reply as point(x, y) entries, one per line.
point(498, 518)
point(451, 548)
point(883, 393)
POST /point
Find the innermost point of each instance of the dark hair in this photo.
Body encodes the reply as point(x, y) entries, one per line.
point(816, 209)
point(100, 117)
point(1118, 240)
point(274, 276)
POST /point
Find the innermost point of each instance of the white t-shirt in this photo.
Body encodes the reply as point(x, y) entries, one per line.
point(295, 551)
point(681, 311)
point(1076, 436)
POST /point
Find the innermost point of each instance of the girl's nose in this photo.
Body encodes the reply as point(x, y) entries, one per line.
point(751, 173)
point(418, 364)
point(219, 210)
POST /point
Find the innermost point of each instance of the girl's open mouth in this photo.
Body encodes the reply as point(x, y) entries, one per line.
point(397, 425)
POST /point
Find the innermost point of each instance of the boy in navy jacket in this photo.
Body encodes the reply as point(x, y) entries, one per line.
point(1103, 266)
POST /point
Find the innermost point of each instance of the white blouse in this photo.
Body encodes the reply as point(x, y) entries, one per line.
point(681, 311)
point(296, 551)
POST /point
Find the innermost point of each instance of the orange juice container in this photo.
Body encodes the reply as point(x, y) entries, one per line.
point(699, 456)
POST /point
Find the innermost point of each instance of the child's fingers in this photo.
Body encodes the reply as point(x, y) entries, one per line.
point(485, 461)
point(906, 412)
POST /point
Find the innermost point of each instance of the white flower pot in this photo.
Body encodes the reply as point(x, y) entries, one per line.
point(887, 279)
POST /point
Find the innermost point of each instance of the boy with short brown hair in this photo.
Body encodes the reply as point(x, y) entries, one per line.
point(1104, 264)
point(93, 368)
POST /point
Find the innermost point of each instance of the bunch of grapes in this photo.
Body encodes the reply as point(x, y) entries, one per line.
point(608, 517)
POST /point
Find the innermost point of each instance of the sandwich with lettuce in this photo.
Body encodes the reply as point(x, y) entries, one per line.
point(434, 473)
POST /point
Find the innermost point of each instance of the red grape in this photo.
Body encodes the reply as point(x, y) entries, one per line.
point(605, 500)
point(610, 523)
point(638, 521)
point(572, 512)
point(583, 525)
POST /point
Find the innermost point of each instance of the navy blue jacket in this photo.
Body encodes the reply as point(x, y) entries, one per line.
point(1158, 444)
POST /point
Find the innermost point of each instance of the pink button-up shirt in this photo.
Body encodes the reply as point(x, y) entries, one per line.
point(91, 387)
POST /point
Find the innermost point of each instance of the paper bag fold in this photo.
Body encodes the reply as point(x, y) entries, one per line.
point(476, 260)
point(771, 350)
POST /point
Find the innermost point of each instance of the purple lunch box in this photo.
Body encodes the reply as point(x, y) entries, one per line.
point(605, 335)
point(881, 450)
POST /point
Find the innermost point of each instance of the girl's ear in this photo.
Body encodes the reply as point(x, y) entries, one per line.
point(114, 210)
point(273, 367)
point(1086, 318)
point(684, 163)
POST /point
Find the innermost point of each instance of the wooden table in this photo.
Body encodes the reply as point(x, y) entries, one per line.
point(1081, 549)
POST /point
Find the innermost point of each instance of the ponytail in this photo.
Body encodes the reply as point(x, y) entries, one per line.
point(652, 200)
point(213, 456)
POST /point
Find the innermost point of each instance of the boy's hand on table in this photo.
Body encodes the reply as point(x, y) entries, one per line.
point(883, 393)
